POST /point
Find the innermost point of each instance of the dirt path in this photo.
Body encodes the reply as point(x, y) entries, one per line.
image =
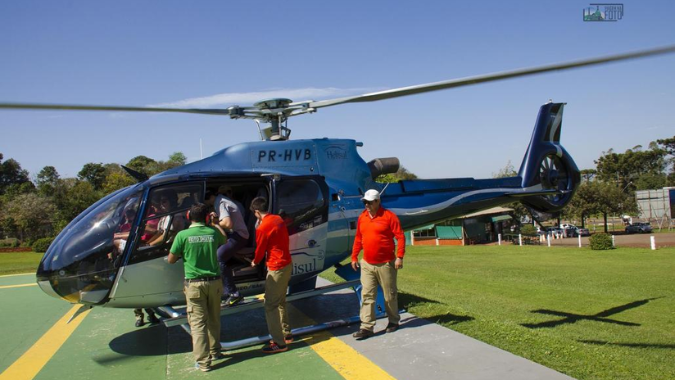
point(663, 239)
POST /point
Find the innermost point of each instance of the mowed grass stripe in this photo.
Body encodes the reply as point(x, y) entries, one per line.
point(31, 362)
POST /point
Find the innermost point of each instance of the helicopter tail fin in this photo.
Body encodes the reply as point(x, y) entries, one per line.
point(547, 166)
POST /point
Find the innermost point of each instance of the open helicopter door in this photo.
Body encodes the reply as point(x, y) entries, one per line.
point(145, 278)
point(302, 202)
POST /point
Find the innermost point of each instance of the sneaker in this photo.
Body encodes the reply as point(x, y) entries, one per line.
point(217, 356)
point(139, 322)
point(203, 369)
point(392, 327)
point(233, 299)
point(288, 339)
point(274, 348)
point(153, 319)
point(363, 334)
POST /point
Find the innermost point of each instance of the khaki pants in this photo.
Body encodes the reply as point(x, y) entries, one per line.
point(385, 276)
point(276, 284)
point(203, 309)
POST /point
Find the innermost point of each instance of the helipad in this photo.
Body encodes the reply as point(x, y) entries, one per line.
point(104, 344)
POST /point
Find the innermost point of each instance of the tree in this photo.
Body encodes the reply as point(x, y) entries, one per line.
point(94, 174)
point(117, 180)
point(596, 197)
point(401, 174)
point(28, 216)
point(625, 169)
point(47, 180)
point(73, 197)
point(143, 164)
point(669, 146)
point(11, 174)
point(177, 158)
point(588, 174)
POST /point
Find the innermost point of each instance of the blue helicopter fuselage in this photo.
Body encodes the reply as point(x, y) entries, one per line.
point(79, 265)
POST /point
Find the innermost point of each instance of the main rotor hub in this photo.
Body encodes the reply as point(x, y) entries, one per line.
point(273, 103)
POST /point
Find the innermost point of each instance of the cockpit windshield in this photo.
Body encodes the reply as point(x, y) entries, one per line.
point(82, 261)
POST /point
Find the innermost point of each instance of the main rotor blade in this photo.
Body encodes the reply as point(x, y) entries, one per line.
point(31, 106)
point(412, 90)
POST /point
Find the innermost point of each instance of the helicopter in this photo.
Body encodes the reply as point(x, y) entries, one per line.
point(104, 257)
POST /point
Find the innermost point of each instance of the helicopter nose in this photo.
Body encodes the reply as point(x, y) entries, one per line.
point(81, 264)
point(78, 282)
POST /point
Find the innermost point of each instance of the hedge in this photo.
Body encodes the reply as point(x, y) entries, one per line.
point(601, 241)
point(41, 245)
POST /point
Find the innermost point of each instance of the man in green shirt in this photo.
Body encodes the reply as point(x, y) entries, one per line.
point(198, 246)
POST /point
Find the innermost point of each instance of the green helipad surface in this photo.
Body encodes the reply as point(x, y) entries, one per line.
point(106, 345)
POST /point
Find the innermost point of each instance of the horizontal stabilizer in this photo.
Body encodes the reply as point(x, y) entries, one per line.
point(538, 192)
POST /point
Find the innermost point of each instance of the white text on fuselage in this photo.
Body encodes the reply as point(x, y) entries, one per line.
point(301, 268)
point(286, 155)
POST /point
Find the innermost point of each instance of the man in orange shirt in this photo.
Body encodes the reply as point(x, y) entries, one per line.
point(272, 238)
point(376, 230)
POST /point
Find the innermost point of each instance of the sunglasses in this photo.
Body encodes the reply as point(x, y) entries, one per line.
point(368, 202)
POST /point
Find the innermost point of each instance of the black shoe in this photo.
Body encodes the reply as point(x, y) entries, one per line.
point(232, 300)
point(139, 322)
point(363, 334)
point(153, 319)
point(392, 327)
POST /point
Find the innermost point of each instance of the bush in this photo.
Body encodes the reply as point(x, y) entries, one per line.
point(41, 245)
point(528, 229)
point(9, 243)
point(601, 241)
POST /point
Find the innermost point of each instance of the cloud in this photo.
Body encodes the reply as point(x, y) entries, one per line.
point(247, 98)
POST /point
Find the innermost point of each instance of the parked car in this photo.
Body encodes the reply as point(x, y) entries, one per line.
point(555, 231)
point(581, 232)
point(641, 228)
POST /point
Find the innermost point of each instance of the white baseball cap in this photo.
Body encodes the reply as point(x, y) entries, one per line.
point(371, 195)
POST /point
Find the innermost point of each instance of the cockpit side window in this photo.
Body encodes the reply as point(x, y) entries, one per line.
point(164, 217)
point(301, 203)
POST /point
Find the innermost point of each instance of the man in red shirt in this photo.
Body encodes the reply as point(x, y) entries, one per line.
point(376, 230)
point(272, 238)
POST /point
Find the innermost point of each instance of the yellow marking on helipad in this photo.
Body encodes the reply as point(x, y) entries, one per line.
point(18, 274)
point(32, 361)
point(345, 360)
point(348, 362)
point(16, 286)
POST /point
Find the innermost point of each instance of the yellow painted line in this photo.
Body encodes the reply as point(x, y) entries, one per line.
point(16, 286)
point(32, 361)
point(17, 274)
point(348, 362)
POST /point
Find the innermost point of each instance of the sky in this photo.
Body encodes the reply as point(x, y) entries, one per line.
point(218, 53)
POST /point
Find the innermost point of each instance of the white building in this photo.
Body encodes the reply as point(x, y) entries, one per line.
point(657, 206)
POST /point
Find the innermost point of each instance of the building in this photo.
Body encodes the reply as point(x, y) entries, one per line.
point(657, 206)
point(477, 228)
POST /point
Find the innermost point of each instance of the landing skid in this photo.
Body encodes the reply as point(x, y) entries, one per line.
point(179, 317)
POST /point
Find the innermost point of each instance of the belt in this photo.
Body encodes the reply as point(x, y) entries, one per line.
point(202, 279)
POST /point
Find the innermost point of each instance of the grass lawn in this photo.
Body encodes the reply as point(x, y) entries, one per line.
point(19, 262)
point(588, 314)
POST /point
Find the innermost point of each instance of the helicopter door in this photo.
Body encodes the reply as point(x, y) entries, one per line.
point(146, 278)
point(303, 205)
